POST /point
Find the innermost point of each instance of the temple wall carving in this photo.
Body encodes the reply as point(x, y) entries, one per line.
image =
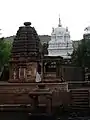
point(18, 93)
point(31, 71)
point(24, 55)
point(25, 73)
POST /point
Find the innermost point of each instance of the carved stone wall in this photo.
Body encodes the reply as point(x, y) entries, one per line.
point(31, 72)
point(25, 54)
point(25, 73)
point(18, 93)
point(71, 73)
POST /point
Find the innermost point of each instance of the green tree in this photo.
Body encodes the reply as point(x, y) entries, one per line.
point(5, 52)
point(45, 48)
point(81, 56)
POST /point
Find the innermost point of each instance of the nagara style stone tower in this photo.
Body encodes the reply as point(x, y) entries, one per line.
point(25, 55)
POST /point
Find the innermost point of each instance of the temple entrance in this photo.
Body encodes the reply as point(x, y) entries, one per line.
point(51, 67)
point(50, 70)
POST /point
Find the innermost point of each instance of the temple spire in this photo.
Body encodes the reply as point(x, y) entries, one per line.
point(59, 25)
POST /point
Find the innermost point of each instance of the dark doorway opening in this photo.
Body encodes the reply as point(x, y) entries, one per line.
point(41, 117)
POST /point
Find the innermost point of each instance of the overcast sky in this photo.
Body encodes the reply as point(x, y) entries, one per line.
point(44, 14)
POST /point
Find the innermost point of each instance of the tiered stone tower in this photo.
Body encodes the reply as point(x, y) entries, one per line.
point(60, 43)
point(25, 55)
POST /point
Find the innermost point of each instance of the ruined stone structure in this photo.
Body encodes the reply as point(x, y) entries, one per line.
point(25, 55)
point(51, 68)
point(22, 93)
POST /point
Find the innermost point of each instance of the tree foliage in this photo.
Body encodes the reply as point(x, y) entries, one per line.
point(45, 48)
point(81, 56)
point(5, 51)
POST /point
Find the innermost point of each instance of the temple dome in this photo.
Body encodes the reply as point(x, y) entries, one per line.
point(26, 43)
point(60, 43)
point(60, 29)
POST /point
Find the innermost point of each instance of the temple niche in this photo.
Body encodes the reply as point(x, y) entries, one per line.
point(25, 55)
point(60, 43)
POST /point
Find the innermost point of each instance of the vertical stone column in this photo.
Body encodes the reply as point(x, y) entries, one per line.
point(58, 69)
point(86, 74)
point(34, 102)
point(42, 68)
point(49, 104)
point(14, 72)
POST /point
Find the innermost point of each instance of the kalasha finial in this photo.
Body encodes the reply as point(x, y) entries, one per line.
point(59, 25)
point(27, 23)
point(52, 29)
point(66, 29)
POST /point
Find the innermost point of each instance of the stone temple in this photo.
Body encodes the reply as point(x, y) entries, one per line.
point(60, 43)
point(25, 55)
point(62, 87)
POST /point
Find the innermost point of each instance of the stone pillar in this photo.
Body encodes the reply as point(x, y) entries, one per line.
point(42, 68)
point(34, 102)
point(49, 104)
point(86, 74)
point(58, 69)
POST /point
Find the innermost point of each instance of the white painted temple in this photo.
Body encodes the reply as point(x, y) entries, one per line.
point(60, 43)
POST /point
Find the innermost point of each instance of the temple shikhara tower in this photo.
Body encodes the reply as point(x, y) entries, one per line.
point(60, 43)
point(25, 55)
point(43, 84)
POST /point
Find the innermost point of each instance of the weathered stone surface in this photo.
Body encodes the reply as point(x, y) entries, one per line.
point(18, 93)
point(25, 55)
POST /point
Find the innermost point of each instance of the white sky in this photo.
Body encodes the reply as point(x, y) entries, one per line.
point(43, 14)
